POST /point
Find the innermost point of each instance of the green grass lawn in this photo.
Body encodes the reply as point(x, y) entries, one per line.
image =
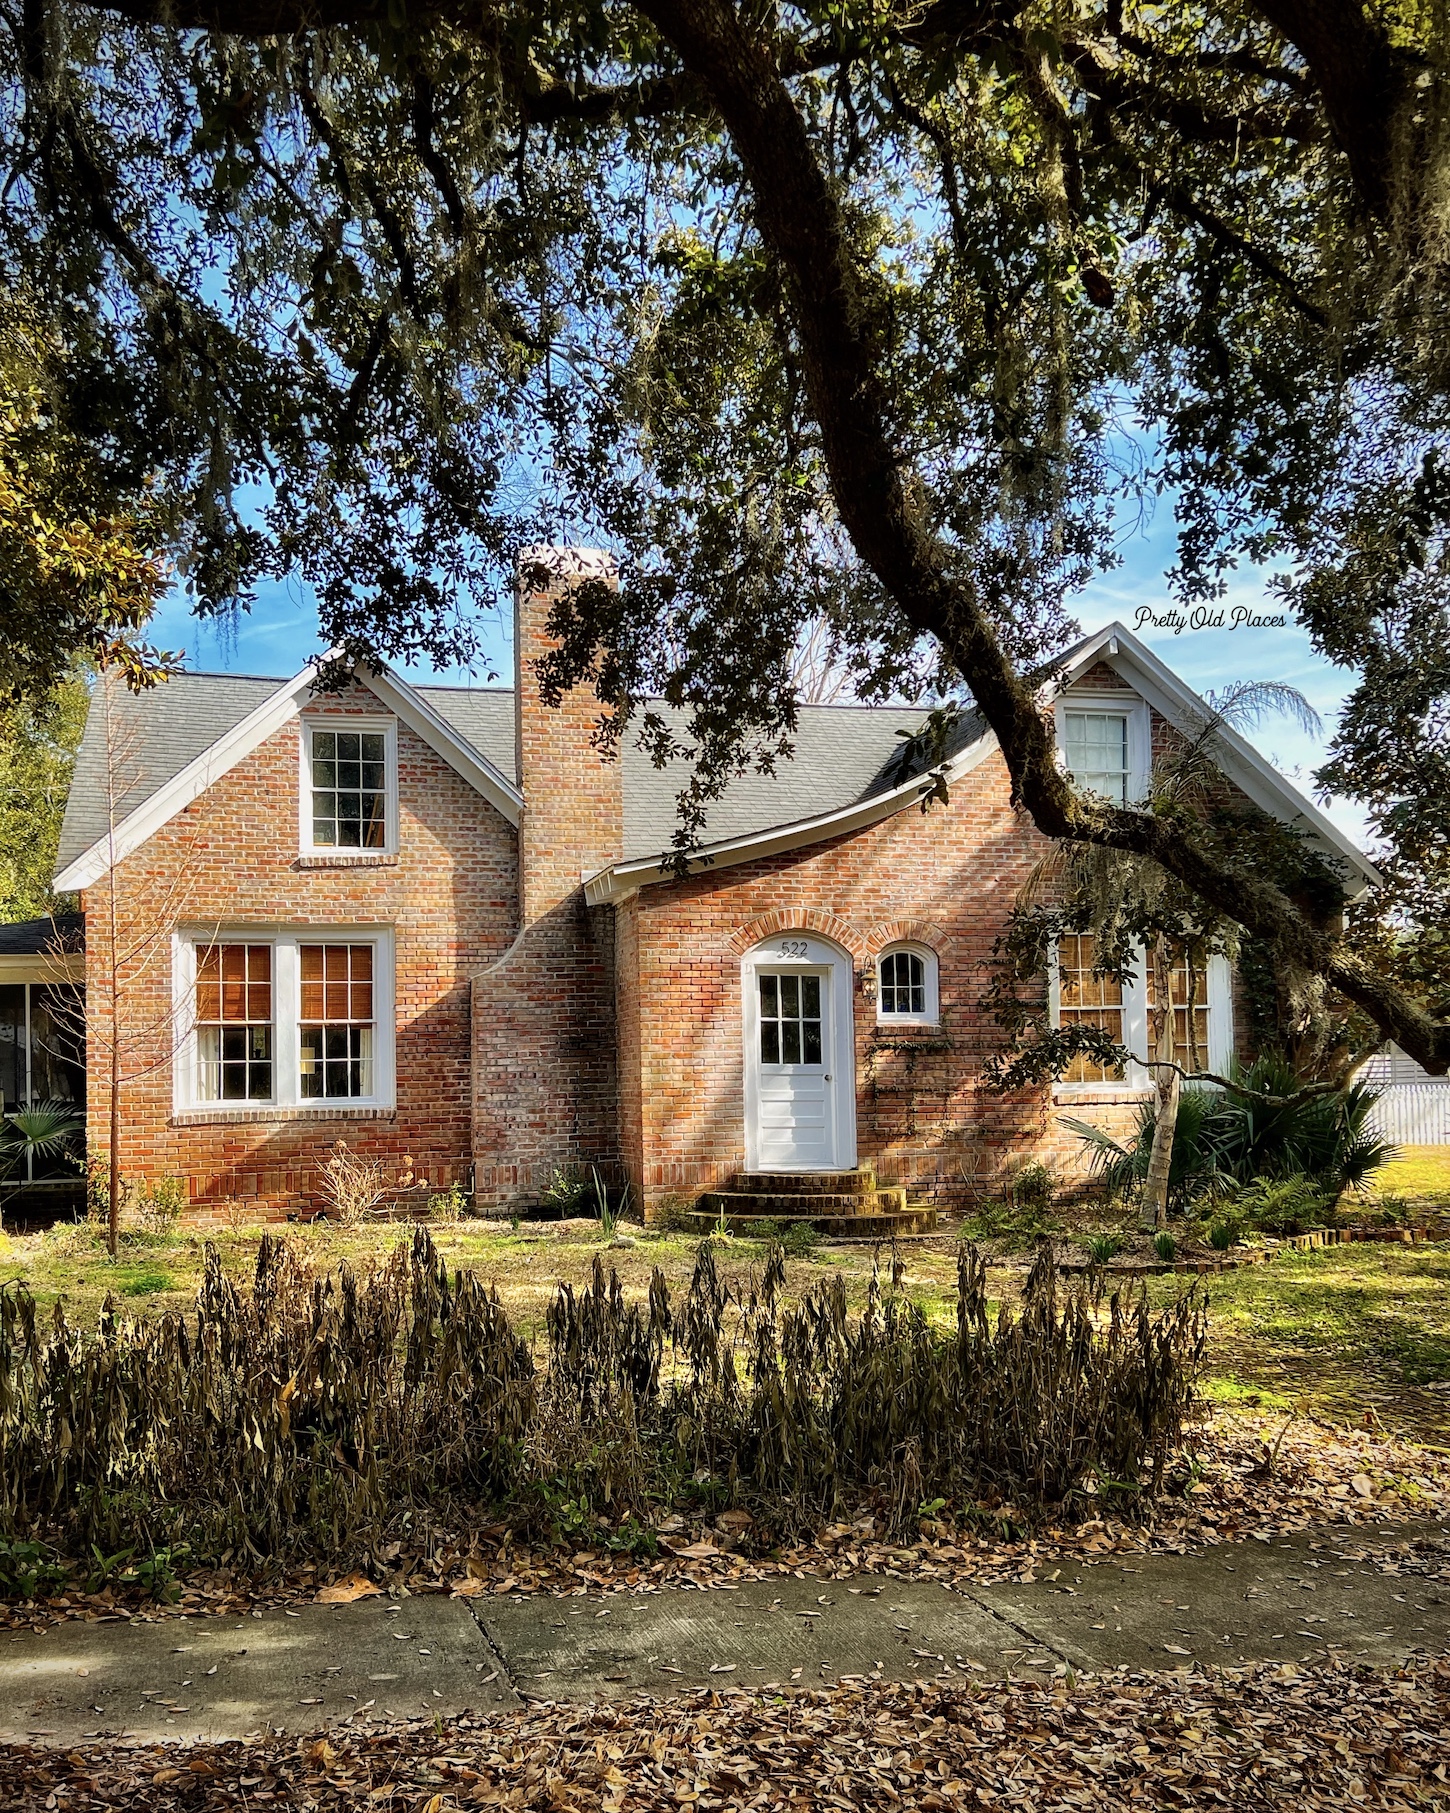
point(1345, 1330)
point(1420, 1172)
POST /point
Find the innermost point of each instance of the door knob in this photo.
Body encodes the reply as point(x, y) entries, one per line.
point(828, 1076)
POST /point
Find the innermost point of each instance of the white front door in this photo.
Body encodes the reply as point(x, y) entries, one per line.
point(798, 1091)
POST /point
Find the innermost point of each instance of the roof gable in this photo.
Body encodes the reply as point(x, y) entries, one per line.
point(1119, 651)
point(89, 846)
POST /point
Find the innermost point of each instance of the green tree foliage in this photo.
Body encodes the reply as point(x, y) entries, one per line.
point(855, 313)
point(78, 571)
point(38, 740)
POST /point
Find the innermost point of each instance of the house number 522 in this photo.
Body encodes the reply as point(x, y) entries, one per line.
point(795, 947)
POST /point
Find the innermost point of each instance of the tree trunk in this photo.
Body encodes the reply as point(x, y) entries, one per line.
point(1169, 1085)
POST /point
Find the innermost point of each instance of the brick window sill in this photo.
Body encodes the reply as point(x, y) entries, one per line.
point(249, 1117)
point(1087, 1093)
point(362, 859)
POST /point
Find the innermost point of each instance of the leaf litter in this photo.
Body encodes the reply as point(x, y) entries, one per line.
point(1329, 1737)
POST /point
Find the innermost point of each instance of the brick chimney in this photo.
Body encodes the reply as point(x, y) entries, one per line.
point(544, 1076)
point(573, 819)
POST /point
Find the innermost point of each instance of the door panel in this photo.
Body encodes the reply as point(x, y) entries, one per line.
point(796, 1128)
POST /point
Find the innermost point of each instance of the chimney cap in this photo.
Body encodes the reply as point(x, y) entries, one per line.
point(567, 563)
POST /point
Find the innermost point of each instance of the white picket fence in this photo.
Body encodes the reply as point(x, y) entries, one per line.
point(1414, 1114)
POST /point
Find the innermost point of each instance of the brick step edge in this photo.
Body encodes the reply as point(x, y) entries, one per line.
point(888, 1224)
point(1233, 1262)
point(798, 1208)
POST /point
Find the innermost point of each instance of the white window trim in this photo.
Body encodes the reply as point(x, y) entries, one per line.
point(318, 720)
point(1112, 701)
point(1135, 1026)
point(286, 1017)
point(932, 1015)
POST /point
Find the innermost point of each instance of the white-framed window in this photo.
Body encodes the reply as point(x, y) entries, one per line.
point(284, 1018)
point(1104, 740)
point(232, 1001)
point(1203, 1034)
point(906, 986)
point(349, 788)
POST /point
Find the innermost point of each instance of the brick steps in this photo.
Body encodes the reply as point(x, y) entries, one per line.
point(841, 1205)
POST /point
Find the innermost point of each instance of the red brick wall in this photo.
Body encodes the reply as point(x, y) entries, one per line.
point(946, 879)
point(545, 1092)
point(230, 861)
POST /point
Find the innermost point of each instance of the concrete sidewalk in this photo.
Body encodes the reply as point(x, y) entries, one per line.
point(224, 1677)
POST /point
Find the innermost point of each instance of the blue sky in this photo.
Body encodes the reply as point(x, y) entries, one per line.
point(279, 635)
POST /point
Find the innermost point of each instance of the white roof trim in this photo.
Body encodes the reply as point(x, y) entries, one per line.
point(444, 740)
point(42, 966)
point(1143, 673)
point(1255, 777)
point(188, 784)
point(621, 879)
point(236, 744)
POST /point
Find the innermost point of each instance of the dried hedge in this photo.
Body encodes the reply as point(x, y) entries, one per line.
point(308, 1414)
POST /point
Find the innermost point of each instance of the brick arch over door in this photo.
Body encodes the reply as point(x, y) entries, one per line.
point(799, 919)
point(905, 931)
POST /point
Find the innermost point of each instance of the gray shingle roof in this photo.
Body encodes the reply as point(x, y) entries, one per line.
point(843, 753)
point(154, 735)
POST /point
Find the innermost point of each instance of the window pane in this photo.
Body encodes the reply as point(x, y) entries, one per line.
point(349, 789)
point(769, 998)
point(57, 1043)
point(790, 996)
point(790, 1041)
point(1086, 999)
point(811, 997)
point(1097, 752)
point(811, 1041)
point(336, 1052)
point(903, 984)
point(770, 1041)
point(234, 1022)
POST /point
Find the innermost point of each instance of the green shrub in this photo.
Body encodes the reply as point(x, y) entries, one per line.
point(1103, 1247)
point(159, 1203)
point(1221, 1236)
point(1033, 1187)
point(800, 1239)
point(565, 1192)
point(448, 1206)
point(28, 1570)
point(1288, 1205)
point(1165, 1246)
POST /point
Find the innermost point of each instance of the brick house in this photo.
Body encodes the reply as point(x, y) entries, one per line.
point(434, 923)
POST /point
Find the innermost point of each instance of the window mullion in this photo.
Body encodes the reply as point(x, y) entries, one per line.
point(286, 1011)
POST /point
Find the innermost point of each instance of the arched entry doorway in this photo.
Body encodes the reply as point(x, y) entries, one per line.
point(800, 1061)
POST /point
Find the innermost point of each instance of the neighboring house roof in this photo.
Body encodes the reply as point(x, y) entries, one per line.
point(66, 933)
point(846, 770)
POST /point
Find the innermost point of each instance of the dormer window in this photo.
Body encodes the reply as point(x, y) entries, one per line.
point(349, 785)
point(1097, 752)
point(1104, 742)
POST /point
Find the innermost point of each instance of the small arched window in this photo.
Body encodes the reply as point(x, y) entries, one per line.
point(906, 990)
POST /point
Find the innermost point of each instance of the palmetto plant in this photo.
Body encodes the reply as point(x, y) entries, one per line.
point(1277, 1127)
point(45, 1130)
